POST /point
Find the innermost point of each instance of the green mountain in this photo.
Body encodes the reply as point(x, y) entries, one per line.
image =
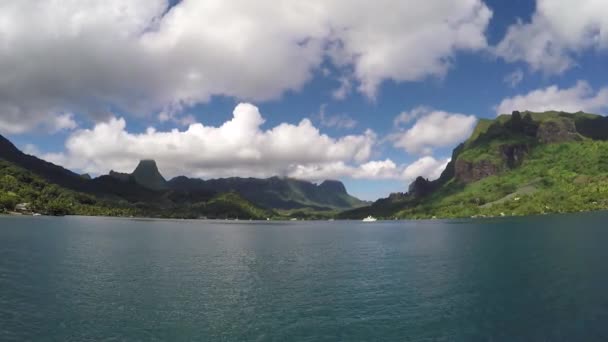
point(520, 164)
point(147, 175)
point(276, 192)
point(18, 185)
point(145, 192)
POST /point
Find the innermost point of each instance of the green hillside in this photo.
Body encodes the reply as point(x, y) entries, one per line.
point(277, 192)
point(520, 164)
point(145, 192)
point(18, 185)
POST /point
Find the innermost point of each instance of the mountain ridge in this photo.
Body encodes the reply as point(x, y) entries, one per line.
point(513, 165)
point(146, 185)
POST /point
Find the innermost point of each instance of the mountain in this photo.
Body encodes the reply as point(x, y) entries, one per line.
point(18, 185)
point(147, 175)
point(53, 173)
point(145, 192)
point(105, 187)
point(276, 192)
point(519, 164)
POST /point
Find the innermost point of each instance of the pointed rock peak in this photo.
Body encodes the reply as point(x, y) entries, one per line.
point(147, 163)
point(147, 175)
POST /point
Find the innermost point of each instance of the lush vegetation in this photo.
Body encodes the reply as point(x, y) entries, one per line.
point(567, 174)
point(21, 186)
point(538, 163)
point(567, 177)
point(18, 186)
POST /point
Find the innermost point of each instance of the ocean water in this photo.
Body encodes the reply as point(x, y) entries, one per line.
point(102, 279)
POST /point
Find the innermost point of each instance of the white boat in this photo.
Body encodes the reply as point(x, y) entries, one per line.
point(370, 219)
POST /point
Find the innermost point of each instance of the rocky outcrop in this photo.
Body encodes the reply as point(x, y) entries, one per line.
point(420, 187)
point(513, 155)
point(557, 131)
point(467, 171)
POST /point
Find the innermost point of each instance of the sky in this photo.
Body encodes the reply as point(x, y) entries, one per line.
point(373, 93)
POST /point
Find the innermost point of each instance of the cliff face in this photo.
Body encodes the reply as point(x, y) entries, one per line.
point(510, 156)
point(516, 150)
point(557, 131)
point(468, 172)
point(420, 187)
point(504, 143)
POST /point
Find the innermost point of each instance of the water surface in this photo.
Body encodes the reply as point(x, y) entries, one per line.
point(514, 279)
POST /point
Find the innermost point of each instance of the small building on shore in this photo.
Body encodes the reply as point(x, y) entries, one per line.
point(22, 207)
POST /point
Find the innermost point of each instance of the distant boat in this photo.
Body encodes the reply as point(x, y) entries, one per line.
point(370, 219)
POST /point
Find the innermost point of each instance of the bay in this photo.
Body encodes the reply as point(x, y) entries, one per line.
point(509, 279)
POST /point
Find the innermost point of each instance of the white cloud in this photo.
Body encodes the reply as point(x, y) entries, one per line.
point(427, 167)
point(341, 121)
point(580, 97)
point(64, 122)
point(432, 129)
point(90, 57)
point(558, 32)
point(403, 40)
point(406, 117)
point(238, 147)
point(514, 78)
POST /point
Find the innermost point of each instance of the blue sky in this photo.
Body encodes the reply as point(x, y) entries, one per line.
point(65, 119)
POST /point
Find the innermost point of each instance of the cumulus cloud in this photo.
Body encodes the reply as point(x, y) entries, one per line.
point(403, 40)
point(406, 117)
point(558, 31)
point(427, 167)
point(432, 129)
point(237, 147)
point(580, 97)
point(91, 57)
point(381, 169)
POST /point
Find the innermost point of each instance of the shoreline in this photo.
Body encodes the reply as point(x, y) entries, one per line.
point(288, 220)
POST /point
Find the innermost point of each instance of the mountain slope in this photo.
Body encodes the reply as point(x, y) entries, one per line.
point(50, 172)
point(18, 185)
point(54, 174)
point(514, 165)
point(147, 190)
point(277, 193)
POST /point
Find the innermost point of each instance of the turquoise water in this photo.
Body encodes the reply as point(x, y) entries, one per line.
point(525, 279)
